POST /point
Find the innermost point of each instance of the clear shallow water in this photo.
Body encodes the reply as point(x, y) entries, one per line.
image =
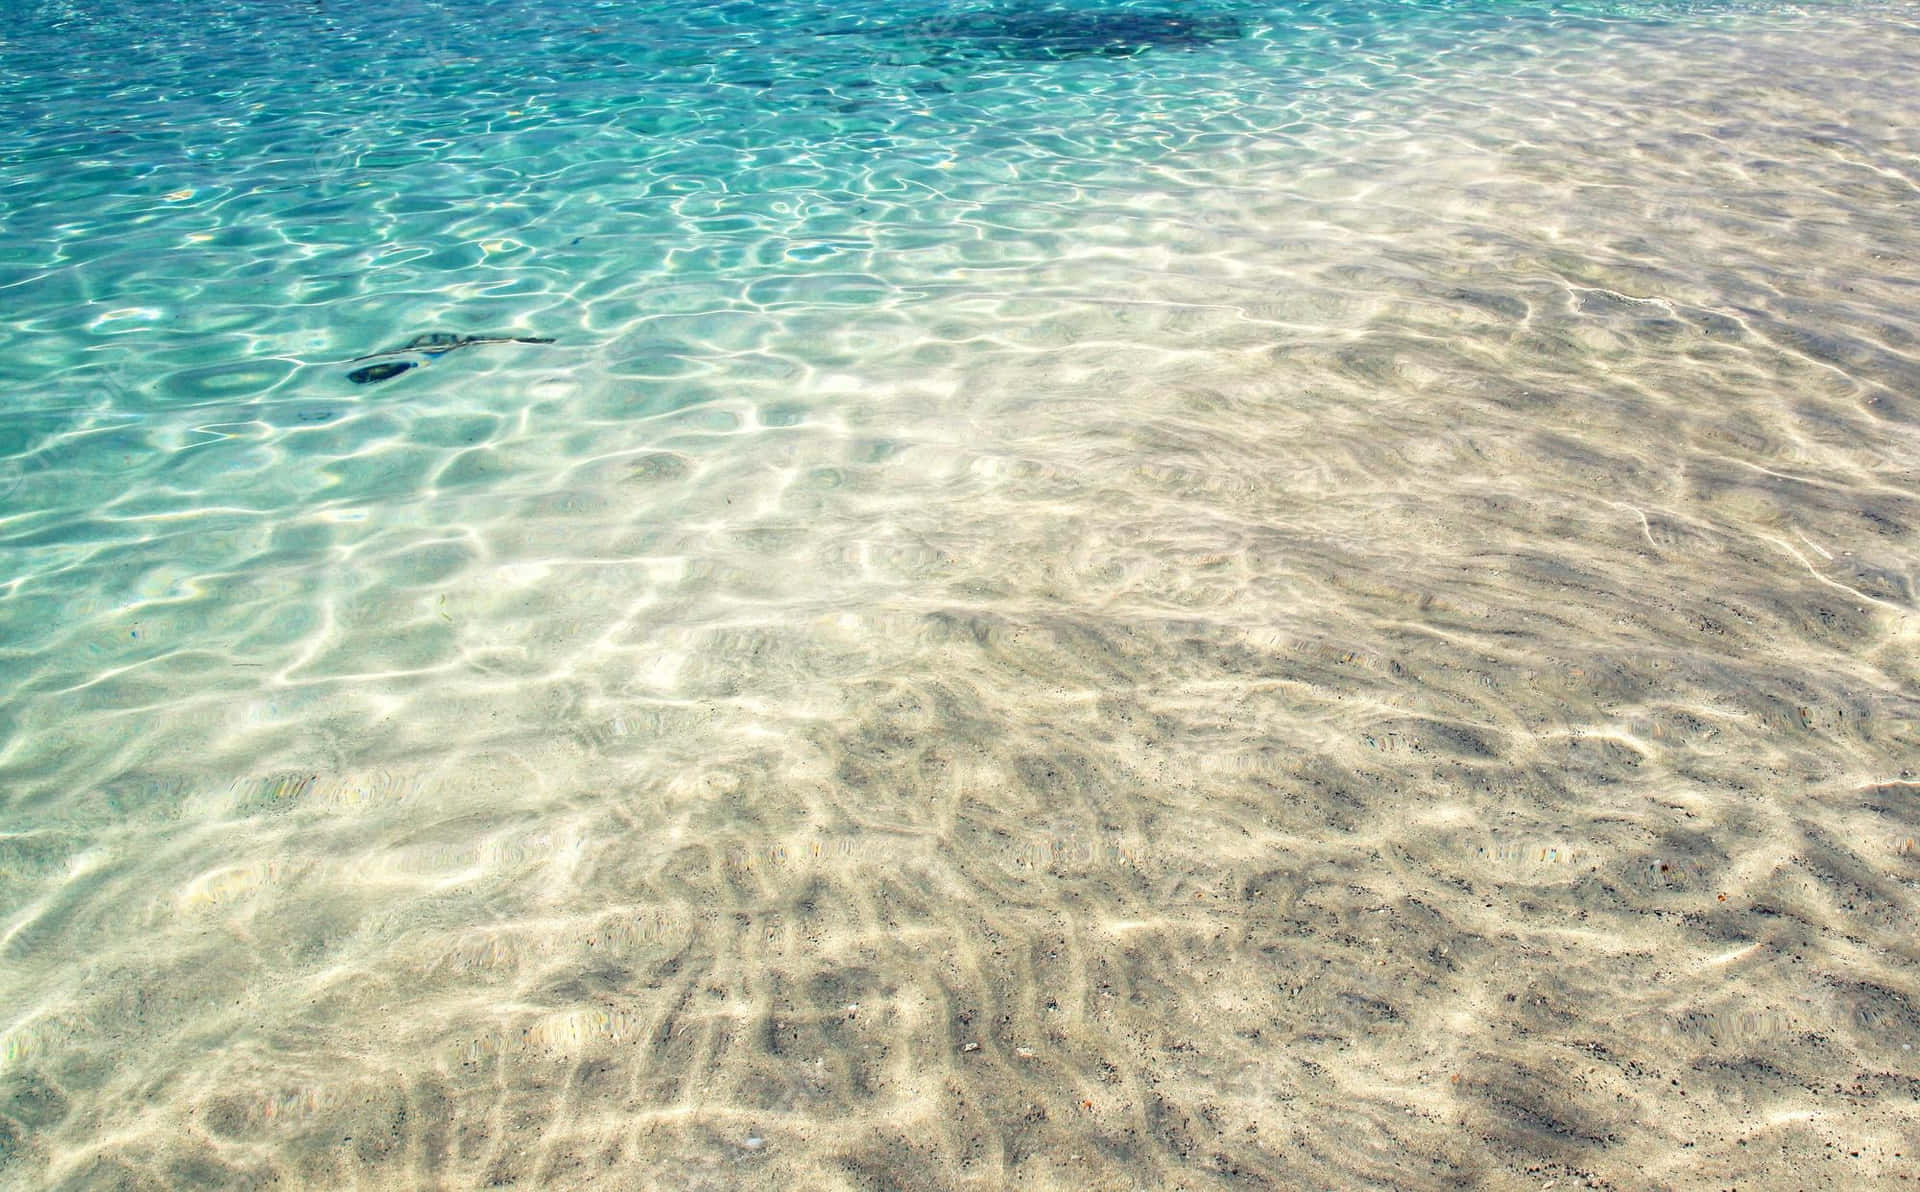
point(1329, 606)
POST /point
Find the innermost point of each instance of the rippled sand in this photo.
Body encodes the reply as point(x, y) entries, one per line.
point(1360, 635)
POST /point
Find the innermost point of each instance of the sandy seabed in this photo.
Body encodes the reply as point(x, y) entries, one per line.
point(1386, 659)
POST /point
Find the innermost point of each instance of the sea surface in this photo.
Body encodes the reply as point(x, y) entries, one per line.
point(1097, 595)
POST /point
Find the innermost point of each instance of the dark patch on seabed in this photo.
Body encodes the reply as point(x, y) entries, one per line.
point(1057, 34)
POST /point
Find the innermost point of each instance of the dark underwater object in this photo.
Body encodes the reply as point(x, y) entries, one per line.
point(380, 372)
point(1055, 33)
point(432, 345)
point(439, 343)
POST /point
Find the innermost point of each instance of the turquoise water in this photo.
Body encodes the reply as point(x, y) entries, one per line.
point(1090, 596)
